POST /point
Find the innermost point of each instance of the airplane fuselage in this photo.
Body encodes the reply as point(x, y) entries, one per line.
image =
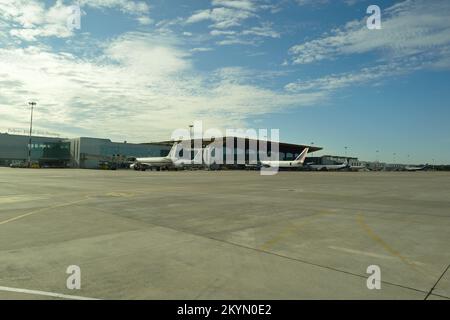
point(282, 164)
point(328, 167)
point(155, 162)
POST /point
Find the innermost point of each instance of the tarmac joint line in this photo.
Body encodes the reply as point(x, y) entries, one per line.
point(434, 287)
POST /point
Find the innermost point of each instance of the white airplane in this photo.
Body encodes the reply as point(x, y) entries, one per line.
point(326, 167)
point(409, 168)
point(298, 162)
point(357, 167)
point(172, 160)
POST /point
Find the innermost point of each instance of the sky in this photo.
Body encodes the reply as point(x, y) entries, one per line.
point(138, 70)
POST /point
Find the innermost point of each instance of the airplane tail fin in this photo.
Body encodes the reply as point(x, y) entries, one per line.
point(301, 158)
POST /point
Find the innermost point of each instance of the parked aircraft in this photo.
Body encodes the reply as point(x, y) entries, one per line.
point(156, 162)
point(421, 168)
point(326, 167)
point(298, 162)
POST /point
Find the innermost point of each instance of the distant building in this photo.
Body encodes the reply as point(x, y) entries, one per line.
point(78, 153)
point(89, 152)
point(44, 150)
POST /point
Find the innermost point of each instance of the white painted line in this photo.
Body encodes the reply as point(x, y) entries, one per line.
point(44, 293)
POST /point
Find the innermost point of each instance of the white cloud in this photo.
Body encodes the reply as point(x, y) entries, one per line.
point(415, 36)
point(30, 19)
point(201, 49)
point(365, 76)
point(237, 4)
point(144, 20)
point(235, 40)
point(222, 18)
point(230, 13)
point(262, 31)
point(250, 36)
point(126, 6)
point(408, 28)
point(229, 20)
point(140, 88)
point(222, 32)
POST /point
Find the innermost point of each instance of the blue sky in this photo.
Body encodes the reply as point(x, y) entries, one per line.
point(137, 70)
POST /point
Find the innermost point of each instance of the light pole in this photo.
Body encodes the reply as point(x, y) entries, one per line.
point(378, 151)
point(32, 104)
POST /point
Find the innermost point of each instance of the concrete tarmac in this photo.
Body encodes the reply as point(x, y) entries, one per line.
point(224, 235)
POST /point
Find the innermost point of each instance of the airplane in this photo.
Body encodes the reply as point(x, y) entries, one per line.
point(172, 160)
point(156, 162)
point(298, 162)
point(326, 167)
point(358, 167)
point(409, 168)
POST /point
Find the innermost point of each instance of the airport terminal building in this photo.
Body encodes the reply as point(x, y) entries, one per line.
point(82, 152)
point(45, 150)
point(90, 153)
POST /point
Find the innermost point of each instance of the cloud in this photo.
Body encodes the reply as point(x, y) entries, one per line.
point(415, 36)
point(237, 4)
point(369, 75)
point(222, 18)
point(262, 31)
point(30, 20)
point(139, 88)
point(230, 13)
point(126, 6)
point(201, 49)
point(250, 36)
point(229, 20)
point(408, 28)
point(222, 33)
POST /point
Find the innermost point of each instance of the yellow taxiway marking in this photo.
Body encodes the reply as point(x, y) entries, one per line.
point(385, 245)
point(42, 210)
point(111, 194)
point(289, 230)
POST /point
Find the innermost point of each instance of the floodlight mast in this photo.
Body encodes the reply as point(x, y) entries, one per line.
point(32, 104)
